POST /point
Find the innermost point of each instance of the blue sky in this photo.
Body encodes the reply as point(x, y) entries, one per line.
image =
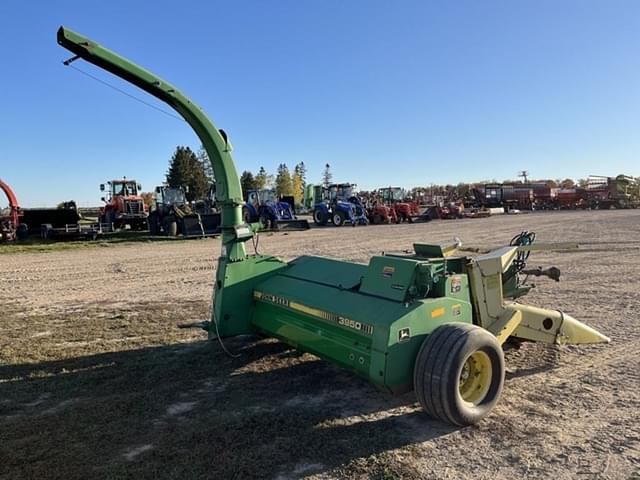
point(404, 93)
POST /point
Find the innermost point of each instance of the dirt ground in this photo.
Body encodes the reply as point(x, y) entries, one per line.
point(96, 381)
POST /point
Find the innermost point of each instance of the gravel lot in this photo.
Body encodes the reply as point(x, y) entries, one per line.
point(96, 381)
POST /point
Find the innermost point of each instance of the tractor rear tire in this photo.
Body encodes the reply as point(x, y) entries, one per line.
point(377, 219)
point(320, 217)
point(459, 373)
point(338, 219)
point(154, 224)
point(246, 215)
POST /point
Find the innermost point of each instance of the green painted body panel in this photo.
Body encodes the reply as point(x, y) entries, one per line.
point(354, 329)
point(401, 356)
point(326, 271)
point(389, 277)
point(233, 293)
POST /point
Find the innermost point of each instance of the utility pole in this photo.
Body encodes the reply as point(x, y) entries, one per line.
point(524, 174)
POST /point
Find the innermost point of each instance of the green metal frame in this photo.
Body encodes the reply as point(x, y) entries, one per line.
point(237, 272)
point(215, 142)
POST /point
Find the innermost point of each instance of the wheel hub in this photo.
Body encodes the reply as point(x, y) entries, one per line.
point(475, 378)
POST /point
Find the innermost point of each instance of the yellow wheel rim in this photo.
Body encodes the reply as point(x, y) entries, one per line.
point(475, 378)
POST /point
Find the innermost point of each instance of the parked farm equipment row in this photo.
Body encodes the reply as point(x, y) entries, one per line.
point(433, 320)
point(598, 193)
point(339, 204)
point(48, 223)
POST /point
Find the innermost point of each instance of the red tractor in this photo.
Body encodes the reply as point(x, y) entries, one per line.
point(379, 213)
point(124, 205)
point(452, 210)
point(394, 197)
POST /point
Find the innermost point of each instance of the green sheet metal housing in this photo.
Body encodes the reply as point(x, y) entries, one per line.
point(370, 319)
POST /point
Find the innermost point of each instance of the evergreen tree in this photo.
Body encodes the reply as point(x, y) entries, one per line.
point(203, 157)
point(186, 171)
point(298, 183)
point(302, 171)
point(567, 183)
point(248, 182)
point(327, 176)
point(284, 184)
point(261, 179)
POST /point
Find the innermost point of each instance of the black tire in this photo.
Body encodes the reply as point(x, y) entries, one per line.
point(440, 366)
point(110, 220)
point(265, 221)
point(268, 222)
point(171, 227)
point(154, 225)
point(22, 232)
point(246, 215)
point(320, 217)
point(377, 219)
point(338, 218)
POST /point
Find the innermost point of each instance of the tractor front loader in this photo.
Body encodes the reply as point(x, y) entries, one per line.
point(432, 321)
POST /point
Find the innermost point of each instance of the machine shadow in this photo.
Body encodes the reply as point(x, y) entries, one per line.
point(189, 410)
point(543, 358)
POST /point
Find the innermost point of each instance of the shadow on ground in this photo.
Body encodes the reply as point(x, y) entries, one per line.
point(188, 411)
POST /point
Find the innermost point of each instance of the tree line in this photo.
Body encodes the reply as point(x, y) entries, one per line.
point(284, 182)
point(192, 171)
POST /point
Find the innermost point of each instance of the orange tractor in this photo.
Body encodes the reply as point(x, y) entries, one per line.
point(124, 205)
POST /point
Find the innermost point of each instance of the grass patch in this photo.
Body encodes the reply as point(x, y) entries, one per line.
point(37, 245)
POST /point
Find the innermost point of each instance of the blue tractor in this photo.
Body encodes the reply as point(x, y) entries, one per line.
point(340, 205)
point(273, 213)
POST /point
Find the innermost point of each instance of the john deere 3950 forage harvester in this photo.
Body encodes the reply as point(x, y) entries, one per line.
point(433, 320)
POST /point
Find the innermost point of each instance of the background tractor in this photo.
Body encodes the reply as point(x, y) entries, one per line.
point(172, 215)
point(123, 205)
point(265, 207)
point(406, 211)
point(339, 204)
point(451, 210)
point(433, 320)
point(377, 212)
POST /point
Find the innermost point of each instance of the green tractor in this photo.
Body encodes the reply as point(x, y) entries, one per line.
point(432, 320)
